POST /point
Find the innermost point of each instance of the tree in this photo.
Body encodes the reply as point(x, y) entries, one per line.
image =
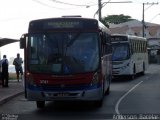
point(116, 19)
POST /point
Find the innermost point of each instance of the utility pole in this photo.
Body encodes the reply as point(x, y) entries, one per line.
point(101, 5)
point(143, 22)
point(99, 9)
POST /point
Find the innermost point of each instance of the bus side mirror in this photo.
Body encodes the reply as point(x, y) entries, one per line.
point(23, 41)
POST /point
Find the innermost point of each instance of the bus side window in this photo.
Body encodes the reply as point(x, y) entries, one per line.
point(101, 34)
point(105, 43)
point(131, 45)
point(108, 44)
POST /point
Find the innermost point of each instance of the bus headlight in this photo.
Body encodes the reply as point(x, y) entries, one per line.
point(95, 79)
point(124, 67)
point(30, 79)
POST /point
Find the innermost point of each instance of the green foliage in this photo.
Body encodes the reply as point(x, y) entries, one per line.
point(116, 19)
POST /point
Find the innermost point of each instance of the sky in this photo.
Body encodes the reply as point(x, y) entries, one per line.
point(16, 14)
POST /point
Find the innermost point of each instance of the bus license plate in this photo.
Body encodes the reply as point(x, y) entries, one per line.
point(56, 94)
point(62, 94)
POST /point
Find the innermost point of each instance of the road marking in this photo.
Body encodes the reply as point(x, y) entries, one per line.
point(117, 104)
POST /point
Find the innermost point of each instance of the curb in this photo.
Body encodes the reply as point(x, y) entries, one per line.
point(6, 99)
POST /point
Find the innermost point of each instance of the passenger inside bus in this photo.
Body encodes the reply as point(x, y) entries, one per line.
point(64, 52)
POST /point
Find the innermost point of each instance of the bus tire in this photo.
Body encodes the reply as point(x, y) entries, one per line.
point(108, 90)
point(25, 93)
point(99, 103)
point(143, 72)
point(132, 77)
point(40, 104)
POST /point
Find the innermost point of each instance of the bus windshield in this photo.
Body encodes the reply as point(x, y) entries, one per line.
point(120, 51)
point(63, 52)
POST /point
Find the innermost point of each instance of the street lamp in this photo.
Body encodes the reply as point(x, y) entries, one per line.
point(154, 17)
point(100, 6)
point(143, 23)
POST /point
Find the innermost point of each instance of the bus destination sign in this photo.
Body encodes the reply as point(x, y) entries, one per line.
point(52, 24)
point(117, 38)
point(63, 24)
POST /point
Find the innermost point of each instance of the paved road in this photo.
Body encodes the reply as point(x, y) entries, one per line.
point(15, 88)
point(145, 98)
point(132, 97)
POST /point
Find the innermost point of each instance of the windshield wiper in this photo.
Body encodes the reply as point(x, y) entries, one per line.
point(73, 39)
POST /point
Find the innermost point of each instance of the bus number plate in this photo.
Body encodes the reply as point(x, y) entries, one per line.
point(62, 94)
point(56, 94)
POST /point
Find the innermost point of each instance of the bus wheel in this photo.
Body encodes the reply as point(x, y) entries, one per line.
point(132, 77)
point(108, 91)
point(40, 104)
point(143, 69)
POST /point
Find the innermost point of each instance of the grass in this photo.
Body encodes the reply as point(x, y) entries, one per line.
point(12, 76)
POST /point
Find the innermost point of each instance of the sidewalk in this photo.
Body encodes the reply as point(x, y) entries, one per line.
point(15, 88)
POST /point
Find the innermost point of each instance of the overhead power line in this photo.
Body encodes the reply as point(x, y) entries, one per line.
point(44, 4)
point(50, 6)
point(101, 5)
point(66, 3)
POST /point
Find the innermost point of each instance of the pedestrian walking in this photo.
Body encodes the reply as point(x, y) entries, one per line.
point(18, 66)
point(4, 66)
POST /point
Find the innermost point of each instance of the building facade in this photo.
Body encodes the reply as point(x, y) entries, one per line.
point(134, 27)
point(151, 32)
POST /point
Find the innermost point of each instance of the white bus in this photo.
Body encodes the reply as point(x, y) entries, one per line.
point(129, 55)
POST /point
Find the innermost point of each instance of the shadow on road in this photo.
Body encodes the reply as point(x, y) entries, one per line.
point(68, 110)
point(70, 106)
point(125, 79)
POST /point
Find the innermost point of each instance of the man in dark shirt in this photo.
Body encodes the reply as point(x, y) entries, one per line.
point(18, 65)
point(4, 65)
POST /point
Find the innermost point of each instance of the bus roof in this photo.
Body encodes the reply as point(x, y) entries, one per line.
point(66, 23)
point(65, 17)
point(130, 36)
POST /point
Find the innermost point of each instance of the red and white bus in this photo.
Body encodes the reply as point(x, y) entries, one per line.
point(67, 58)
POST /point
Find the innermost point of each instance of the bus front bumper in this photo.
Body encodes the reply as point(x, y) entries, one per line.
point(82, 95)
